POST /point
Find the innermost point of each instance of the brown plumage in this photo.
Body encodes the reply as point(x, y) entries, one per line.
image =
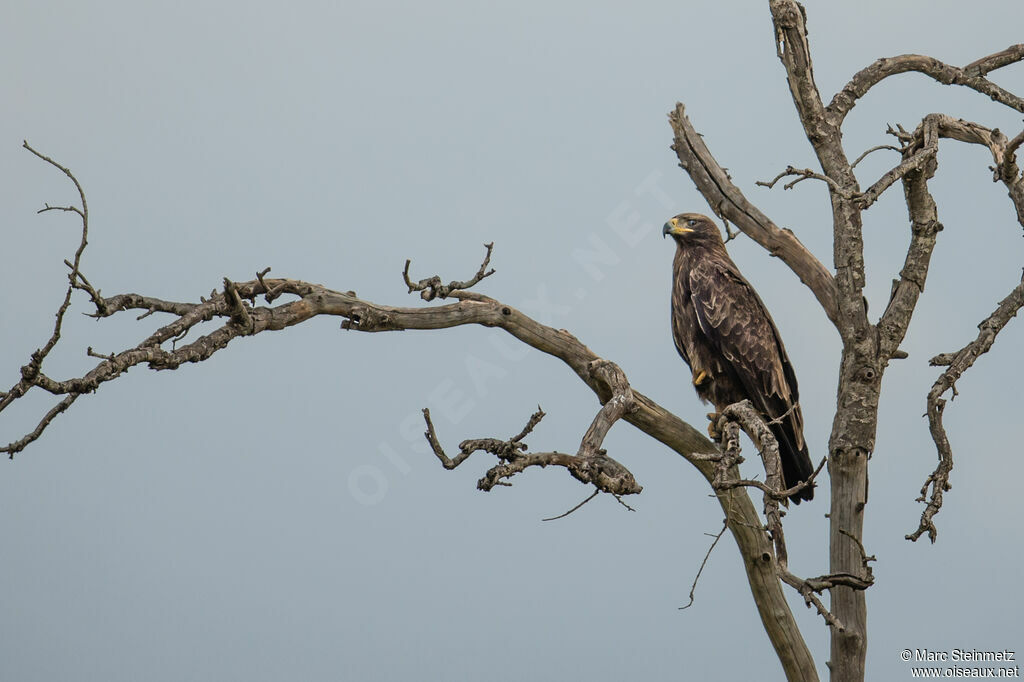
point(726, 336)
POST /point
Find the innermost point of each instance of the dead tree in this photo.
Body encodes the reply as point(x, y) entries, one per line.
point(264, 304)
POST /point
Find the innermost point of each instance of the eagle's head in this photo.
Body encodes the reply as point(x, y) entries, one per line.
point(693, 229)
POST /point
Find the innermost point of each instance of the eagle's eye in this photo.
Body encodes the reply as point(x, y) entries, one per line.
point(691, 222)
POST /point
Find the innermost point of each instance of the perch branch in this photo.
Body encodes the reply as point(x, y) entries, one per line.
point(742, 415)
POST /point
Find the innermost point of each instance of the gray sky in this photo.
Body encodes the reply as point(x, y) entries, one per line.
point(272, 513)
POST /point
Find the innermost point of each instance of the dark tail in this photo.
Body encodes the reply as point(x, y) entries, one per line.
point(796, 463)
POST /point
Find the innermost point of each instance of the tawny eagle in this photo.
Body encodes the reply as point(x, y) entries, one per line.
point(726, 336)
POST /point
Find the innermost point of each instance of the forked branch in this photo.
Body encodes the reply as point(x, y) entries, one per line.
point(802, 174)
point(590, 465)
point(743, 416)
point(431, 287)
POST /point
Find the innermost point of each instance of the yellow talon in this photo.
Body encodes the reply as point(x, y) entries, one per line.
point(702, 377)
point(713, 431)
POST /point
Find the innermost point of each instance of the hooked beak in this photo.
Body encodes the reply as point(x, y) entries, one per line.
point(673, 227)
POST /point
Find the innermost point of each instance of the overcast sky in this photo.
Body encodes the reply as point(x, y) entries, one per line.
point(272, 513)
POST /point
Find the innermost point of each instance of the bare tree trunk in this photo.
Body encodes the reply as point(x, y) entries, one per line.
point(848, 469)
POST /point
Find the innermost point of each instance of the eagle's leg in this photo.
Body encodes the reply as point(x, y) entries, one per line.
point(701, 378)
point(713, 431)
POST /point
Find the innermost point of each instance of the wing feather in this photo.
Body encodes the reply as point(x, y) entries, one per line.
point(737, 325)
point(747, 357)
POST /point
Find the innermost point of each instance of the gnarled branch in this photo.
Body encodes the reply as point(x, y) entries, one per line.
point(917, 169)
point(743, 416)
point(431, 287)
point(971, 76)
point(591, 464)
point(958, 363)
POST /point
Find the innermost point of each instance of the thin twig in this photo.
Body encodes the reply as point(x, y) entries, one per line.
point(804, 174)
point(768, 490)
point(929, 148)
point(562, 516)
point(729, 234)
point(873, 149)
point(707, 555)
point(618, 498)
point(83, 213)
